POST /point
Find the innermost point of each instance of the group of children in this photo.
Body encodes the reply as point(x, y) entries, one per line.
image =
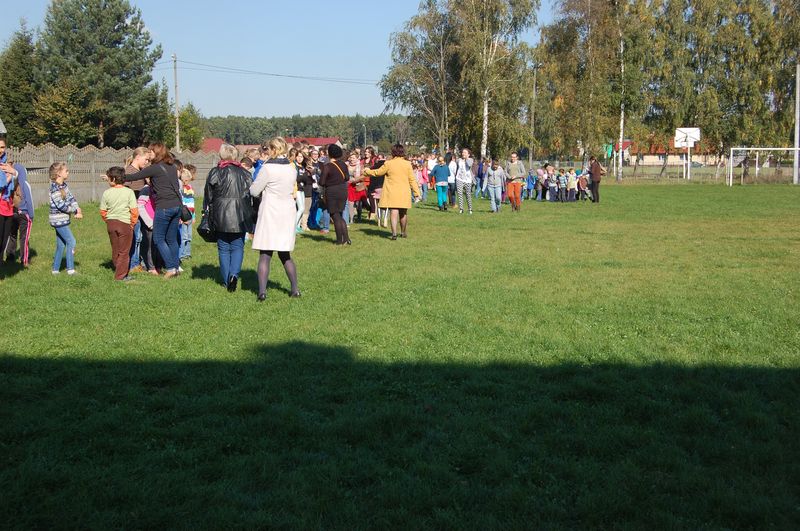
point(128, 215)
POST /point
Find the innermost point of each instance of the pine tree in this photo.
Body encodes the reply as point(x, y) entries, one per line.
point(17, 64)
point(104, 46)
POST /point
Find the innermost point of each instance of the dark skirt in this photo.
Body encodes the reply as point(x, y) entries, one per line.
point(336, 197)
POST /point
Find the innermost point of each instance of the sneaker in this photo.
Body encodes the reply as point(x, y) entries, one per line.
point(460, 210)
point(171, 273)
point(324, 231)
point(153, 272)
point(71, 271)
point(56, 272)
point(470, 212)
point(180, 269)
point(137, 269)
point(126, 278)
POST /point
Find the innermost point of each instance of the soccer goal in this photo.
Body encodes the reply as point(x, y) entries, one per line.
point(761, 165)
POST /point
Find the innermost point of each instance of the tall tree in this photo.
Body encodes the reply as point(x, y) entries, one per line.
point(420, 79)
point(63, 114)
point(103, 45)
point(488, 32)
point(17, 94)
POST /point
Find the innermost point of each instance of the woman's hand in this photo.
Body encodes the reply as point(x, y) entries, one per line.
point(79, 213)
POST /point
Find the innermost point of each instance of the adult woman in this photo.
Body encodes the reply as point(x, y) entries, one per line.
point(275, 228)
point(137, 161)
point(164, 183)
point(334, 180)
point(596, 172)
point(397, 188)
point(305, 184)
point(370, 160)
point(516, 176)
point(230, 211)
point(356, 188)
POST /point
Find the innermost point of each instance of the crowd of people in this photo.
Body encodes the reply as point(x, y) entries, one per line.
point(268, 196)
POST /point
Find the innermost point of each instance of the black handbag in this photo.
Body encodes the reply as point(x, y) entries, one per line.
point(186, 214)
point(205, 230)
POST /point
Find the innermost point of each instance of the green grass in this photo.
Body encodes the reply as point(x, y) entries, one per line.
point(630, 364)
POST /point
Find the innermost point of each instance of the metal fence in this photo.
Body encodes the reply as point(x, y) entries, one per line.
point(87, 165)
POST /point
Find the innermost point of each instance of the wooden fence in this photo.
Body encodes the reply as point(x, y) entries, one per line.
point(87, 165)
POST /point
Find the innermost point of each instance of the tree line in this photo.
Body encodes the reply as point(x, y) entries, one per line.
point(602, 71)
point(85, 78)
point(382, 130)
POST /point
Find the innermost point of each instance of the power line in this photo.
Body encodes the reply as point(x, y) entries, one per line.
point(231, 70)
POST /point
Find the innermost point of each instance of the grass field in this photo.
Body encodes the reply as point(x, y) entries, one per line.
point(630, 364)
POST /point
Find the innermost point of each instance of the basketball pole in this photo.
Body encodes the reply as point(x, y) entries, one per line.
point(796, 173)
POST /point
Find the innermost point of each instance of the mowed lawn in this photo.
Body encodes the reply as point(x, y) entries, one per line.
point(630, 364)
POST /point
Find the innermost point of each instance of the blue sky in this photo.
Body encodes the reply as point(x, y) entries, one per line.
point(245, 34)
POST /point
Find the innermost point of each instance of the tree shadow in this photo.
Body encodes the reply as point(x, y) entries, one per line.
point(248, 279)
point(307, 435)
point(379, 233)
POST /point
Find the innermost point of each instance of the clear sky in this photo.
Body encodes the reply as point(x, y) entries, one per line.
point(346, 39)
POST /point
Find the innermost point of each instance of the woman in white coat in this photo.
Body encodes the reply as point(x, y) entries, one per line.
point(275, 228)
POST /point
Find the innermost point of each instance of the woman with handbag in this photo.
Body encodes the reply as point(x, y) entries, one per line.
point(228, 209)
point(400, 183)
point(164, 182)
point(275, 228)
point(333, 180)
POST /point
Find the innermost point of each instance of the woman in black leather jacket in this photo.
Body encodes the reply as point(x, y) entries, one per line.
point(230, 209)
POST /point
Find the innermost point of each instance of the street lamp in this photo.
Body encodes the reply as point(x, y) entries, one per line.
point(365, 134)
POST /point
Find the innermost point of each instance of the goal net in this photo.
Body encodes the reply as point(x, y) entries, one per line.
point(760, 165)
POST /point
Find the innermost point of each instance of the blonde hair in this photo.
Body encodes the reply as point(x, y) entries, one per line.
point(276, 147)
point(185, 173)
point(55, 169)
point(252, 153)
point(228, 152)
point(141, 150)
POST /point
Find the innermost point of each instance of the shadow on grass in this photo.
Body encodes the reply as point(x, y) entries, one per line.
point(248, 279)
point(307, 436)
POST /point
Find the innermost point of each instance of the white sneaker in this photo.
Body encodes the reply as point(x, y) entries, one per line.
point(56, 272)
point(71, 271)
point(180, 269)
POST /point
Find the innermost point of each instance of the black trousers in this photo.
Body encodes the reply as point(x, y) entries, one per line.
point(595, 187)
point(6, 227)
point(20, 233)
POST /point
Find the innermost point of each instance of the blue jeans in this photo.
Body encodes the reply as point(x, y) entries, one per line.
point(423, 188)
point(312, 211)
point(136, 246)
point(230, 248)
point(64, 239)
point(165, 235)
point(495, 197)
point(441, 196)
point(186, 241)
point(479, 187)
point(325, 220)
point(552, 192)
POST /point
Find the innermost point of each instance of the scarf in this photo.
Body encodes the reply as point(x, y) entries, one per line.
point(226, 163)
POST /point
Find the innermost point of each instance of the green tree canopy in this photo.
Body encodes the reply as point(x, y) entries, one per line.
point(17, 93)
point(104, 47)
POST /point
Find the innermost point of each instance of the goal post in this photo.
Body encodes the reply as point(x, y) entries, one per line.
point(761, 164)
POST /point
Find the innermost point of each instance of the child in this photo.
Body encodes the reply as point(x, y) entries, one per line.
point(493, 184)
point(572, 185)
point(187, 194)
point(62, 206)
point(583, 184)
point(440, 174)
point(552, 186)
point(119, 210)
point(530, 184)
point(562, 186)
point(147, 212)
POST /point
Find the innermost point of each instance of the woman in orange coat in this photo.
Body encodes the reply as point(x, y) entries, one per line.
point(397, 188)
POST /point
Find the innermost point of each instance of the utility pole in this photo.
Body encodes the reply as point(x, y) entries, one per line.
point(177, 106)
point(365, 135)
point(796, 172)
